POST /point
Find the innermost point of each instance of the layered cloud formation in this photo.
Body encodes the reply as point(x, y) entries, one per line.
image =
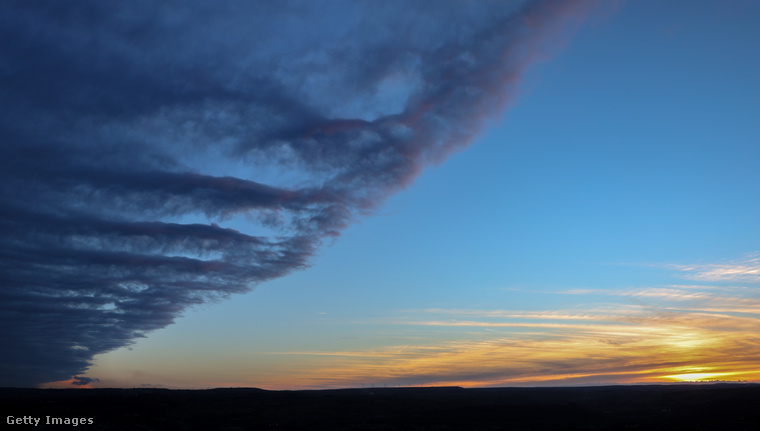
point(674, 333)
point(132, 134)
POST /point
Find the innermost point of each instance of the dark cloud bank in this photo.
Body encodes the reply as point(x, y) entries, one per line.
point(131, 133)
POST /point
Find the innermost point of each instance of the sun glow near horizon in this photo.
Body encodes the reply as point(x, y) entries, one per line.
point(679, 334)
point(699, 377)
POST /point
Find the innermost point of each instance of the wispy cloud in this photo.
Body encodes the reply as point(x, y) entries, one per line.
point(672, 333)
point(743, 270)
point(629, 354)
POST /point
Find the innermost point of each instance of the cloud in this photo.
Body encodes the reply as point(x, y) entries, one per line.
point(83, 381)
point(743, 270)
point(132, 133)
point(673, 338)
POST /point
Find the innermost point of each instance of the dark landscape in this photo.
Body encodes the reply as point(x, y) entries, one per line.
point(651, 407)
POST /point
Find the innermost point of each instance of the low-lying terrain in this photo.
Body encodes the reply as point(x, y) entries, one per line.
point(656, 407)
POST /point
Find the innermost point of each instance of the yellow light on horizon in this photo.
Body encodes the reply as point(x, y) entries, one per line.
point(695, 377)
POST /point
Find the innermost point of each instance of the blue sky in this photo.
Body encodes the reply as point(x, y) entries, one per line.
point(630, 150)
point(602, 228)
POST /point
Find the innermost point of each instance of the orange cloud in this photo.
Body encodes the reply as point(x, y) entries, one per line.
point(684, 334)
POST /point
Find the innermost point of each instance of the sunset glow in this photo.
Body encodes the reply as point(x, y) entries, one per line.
point(616, 343)
point(696, 377)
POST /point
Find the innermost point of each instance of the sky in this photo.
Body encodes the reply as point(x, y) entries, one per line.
point(305, 195)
